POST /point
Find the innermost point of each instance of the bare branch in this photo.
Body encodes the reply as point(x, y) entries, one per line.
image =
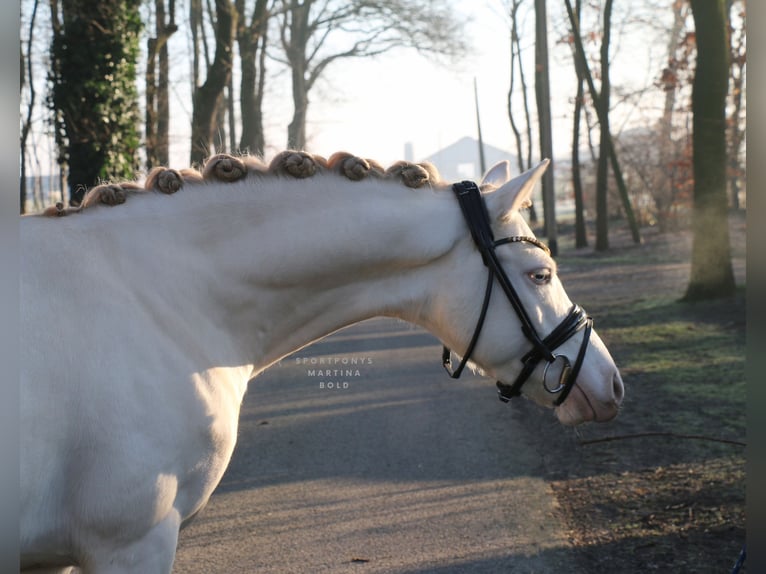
point(314, 34)
point(662, 434)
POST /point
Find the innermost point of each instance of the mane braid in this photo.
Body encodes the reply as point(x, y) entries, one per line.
point(227, 168)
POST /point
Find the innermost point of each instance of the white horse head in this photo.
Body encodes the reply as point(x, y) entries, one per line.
point(597, 390)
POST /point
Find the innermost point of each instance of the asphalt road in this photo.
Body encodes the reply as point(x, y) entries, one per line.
point(396, 468)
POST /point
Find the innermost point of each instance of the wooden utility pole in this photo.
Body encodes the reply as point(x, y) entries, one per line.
point(482, 161)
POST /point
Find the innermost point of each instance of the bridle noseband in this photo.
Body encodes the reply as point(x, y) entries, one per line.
point(476, 216)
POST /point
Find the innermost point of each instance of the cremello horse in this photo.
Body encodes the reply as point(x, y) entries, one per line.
point(137, 351)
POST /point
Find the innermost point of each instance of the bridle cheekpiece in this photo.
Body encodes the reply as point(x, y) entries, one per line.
point(476, 216)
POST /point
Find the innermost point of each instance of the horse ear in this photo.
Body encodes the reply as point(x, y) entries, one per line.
point(515, 194)
point(498, 174)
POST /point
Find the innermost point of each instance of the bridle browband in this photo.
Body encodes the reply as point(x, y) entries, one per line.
point(475, 213)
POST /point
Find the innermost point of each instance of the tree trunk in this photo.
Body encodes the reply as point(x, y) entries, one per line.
point(736, 123)
point(296, 54)
point(663, 201)
point(231, 115)
point(94, 96)
point(150, 104)
point(207, 96)
point(543, 93)
point(195, 22)
point(482, 158)
point(602, 172)
point(252, 52)
point(622, 189)
point(516, 57)
point(296, 130)
point(163, 80)
point(711, 274)
point(581, 235)
point(25, 70)
point(219, 123)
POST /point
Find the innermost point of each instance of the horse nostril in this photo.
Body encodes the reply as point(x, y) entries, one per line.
point(618, 389)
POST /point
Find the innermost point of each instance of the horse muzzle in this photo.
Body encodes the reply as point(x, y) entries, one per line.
point(587, 404)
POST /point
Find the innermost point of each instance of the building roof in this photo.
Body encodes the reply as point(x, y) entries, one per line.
point(460, 160)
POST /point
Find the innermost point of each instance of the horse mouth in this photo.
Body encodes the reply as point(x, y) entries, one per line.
point(580, 408)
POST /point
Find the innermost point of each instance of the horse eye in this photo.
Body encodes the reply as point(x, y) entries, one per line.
point(540, 276)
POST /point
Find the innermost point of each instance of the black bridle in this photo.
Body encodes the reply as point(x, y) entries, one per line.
point(476, 216)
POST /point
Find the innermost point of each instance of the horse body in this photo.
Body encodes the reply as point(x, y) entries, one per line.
point(137, 352)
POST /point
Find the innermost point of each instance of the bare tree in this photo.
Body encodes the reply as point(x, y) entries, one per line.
point(543, 95)
point(195, 28)
point(581, 236)
point(251, 39)
point(602, 214)
point(516, 60)
point(595, 97)
point(663, 196)
point(157, 114)
point(736, 124)
point(711, 274)
point(515, 56)
point(207, 97)
point(26, 70)
point(363, 28)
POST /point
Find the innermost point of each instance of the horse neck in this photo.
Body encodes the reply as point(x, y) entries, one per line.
point(297, 260)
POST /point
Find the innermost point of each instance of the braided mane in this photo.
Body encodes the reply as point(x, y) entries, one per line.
point(228, 168)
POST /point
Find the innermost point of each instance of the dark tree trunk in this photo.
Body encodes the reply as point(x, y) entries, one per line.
point(207, 96)
point(25, 70)
point(711, 274)
point(581, 236)
point(195, 23)
point(296, 130)
point(251, 38)
point(543, 93)
point(163, 81)
point(516, 57)
point(663, 200)
point(602, 173)
point(230, 113)
point(93, 95)
point(595, 96)
point(299, 36)
point(150, 104)
point(736, 124)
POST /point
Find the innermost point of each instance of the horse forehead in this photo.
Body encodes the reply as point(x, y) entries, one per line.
point(514, 225)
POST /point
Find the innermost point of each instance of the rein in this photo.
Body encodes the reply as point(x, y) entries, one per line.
point(476, 216)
